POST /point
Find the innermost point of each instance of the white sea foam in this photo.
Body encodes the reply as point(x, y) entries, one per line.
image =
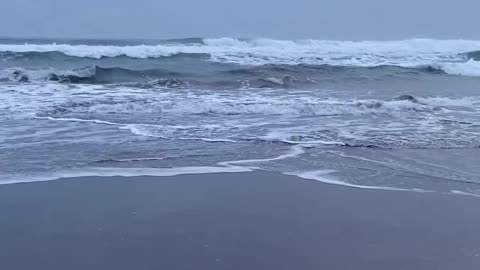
point(223, 167)
point(469, 68)
point(458, 192)
point(142, 130)
point(294, 151)
point(270, 105)
point(134, 159)
point(277, 118)
point(122, 172)
point(284, 135)
point(446, 54)
point(95, 121)
point(210, 139)
point(467, 102)
point(322, 176)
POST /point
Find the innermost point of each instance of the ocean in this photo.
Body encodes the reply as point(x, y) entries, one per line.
point(392, 115)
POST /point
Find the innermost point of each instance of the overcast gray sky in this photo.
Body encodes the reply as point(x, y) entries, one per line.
point(319, 19)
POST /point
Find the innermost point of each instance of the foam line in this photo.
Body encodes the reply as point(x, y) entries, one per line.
point(458, 192)
point(294, 151)
point(224, 167)
point(125, 172)
point(320, 175)
point(95, 121)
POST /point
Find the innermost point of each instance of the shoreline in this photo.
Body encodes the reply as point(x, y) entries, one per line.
point(226, 167)
point(252, 220)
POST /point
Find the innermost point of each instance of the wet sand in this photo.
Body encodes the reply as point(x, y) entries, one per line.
point(241, 221)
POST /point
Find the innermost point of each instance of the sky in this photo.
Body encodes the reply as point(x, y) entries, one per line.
point(280, 19)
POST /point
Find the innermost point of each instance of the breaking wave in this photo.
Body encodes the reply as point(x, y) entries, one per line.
point(264, 105)
point(266, 76)
point(403, 122)
point(458, 57)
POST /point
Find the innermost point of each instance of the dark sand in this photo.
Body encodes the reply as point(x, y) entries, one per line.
point(232, 221)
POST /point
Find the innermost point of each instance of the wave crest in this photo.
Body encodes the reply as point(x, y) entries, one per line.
point(406, 53)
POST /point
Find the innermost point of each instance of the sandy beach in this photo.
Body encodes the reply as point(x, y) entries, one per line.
point(256, 220)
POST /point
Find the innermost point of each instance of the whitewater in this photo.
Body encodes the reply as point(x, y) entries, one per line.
point(450, 55)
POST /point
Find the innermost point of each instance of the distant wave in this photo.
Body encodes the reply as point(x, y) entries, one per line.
point(266, 76)
point(100, 75)
point(475, 55)
point(260, 47)
point(459, 57)
point(63, 56)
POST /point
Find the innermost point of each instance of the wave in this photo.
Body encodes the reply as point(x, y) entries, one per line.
point(407, 53)
point(265, 47)
point(98, 75)
point(329, 138)
point(468, 68)
point(403, 122)
point(474, 55)
point(264, 105)
point(266, 76)
point(329, 69)
point(214, 105)
point(118, 75)
point(31, 56)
